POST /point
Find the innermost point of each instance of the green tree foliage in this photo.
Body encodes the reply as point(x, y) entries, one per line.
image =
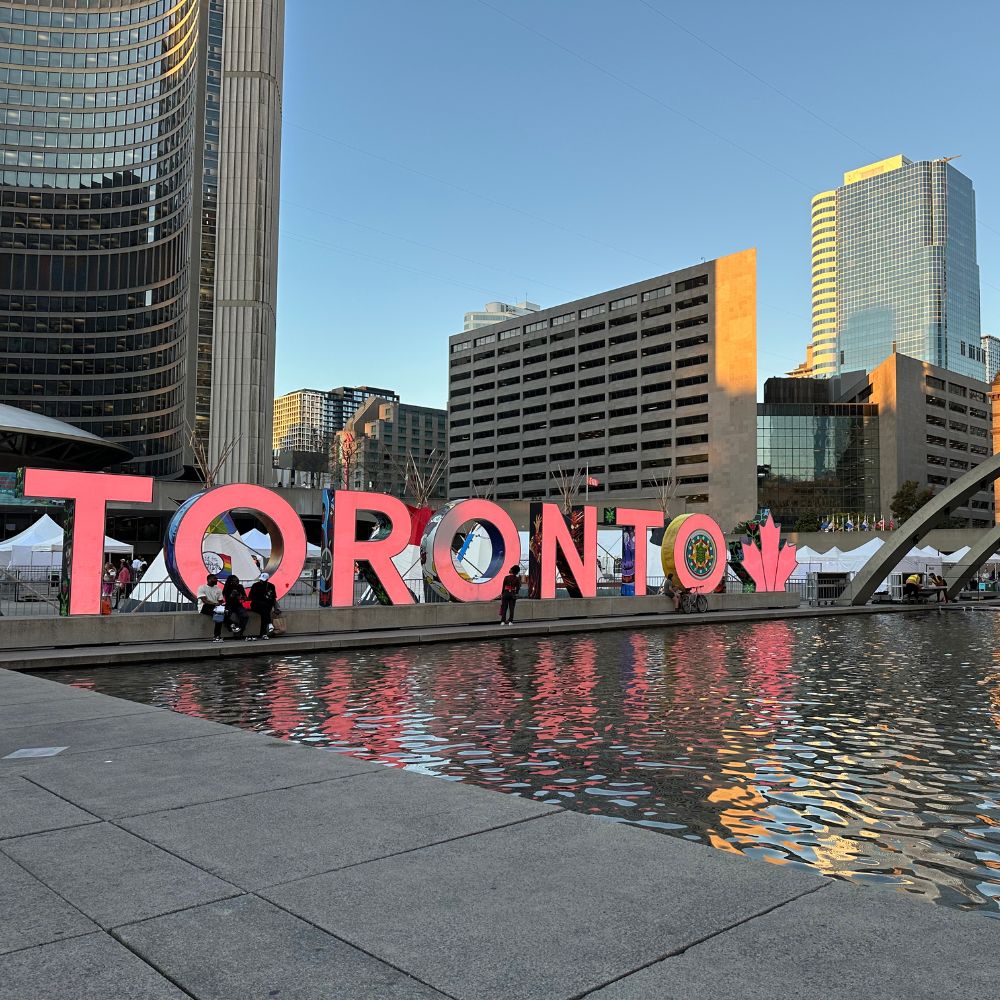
point(909, 498)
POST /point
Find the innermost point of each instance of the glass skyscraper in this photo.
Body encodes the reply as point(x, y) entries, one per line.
point(894, 268)
point(135, 302)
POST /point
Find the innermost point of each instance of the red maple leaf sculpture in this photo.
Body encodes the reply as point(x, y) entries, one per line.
point(771, 565)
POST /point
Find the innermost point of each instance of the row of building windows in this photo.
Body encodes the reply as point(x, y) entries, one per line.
point(79, 19)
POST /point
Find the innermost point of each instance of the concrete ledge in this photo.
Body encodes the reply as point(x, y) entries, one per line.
point(110, 630)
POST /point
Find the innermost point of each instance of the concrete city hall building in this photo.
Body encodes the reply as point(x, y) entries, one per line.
point(138, 222)
point(650, 380)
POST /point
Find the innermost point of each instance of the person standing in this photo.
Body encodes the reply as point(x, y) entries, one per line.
point(108, 577)
point(509, 591)
point(210, 602)
point(136, 568)
point(122, 583)
point(263, 600)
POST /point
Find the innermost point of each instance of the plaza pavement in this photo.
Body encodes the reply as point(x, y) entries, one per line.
point(158, 857)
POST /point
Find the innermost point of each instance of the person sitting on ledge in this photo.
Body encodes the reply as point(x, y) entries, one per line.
point(263, 601)
point(671, 590)
point(210, 603)
point(233, 596)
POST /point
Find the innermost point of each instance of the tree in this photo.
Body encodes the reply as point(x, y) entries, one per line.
point(908, 499)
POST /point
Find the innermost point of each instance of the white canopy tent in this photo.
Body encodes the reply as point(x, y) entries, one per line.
point(260, 542)
point(41, 545)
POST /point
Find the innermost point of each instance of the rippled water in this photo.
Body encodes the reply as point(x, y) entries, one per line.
point(867, 748)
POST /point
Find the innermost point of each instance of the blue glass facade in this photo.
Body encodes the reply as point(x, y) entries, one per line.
point(907, 277)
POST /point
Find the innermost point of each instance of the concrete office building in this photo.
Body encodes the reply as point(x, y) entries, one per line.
point(304, 428)
point(829, 447)
point(650, 380)
point(138, 222)
point(894, 268)
point(496, 312)
point(375, 444)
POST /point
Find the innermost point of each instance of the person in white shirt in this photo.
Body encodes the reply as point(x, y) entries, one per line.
point(136, 566)
point(209, 598)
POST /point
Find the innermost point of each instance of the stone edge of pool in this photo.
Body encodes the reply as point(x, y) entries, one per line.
point(141, 866)
point(57, 643)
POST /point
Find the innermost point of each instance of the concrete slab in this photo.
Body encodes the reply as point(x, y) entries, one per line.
point(278, 836)
point(246, 948)
point(31, 914)
point(87, 968)
point(30, 809)
point(134, 780)
point(840, 943)
point(56, 710)
point(112, 876)
point(548, 909)
point(158, 726)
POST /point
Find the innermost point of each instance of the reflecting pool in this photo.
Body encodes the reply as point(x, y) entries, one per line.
point(865, 747)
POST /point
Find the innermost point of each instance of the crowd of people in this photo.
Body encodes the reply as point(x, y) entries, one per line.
point(229, 604)
point(117, 581)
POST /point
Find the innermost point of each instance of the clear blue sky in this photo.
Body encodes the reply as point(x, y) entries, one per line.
point(442, 153)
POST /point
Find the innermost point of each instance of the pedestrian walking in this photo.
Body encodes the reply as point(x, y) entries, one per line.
point(136, 569)
point(509, 591)
point(210, 602)
point(233, 596)
point(263, 601)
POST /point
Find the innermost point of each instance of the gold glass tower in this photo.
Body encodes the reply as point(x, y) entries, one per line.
point(824, 284)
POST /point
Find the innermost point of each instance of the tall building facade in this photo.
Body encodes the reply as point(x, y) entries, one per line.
point(631, 386)
point(496, 312)
point(378, 442)
point(894, 268)
point(138, 222)
point(991, 356)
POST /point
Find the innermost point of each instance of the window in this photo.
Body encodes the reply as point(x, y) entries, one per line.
point(623, 467)
point(695, 359)
point(935, 401)
point(624, 411)
point(591, 453)
point(692, 459)
point(693, 400)
point(936, 420)
point(593, 380)
point(648, 352)
point(623, 320)
point(662, 366)
point(489, 338)
point(593, 328)
point(686, 324)
point(695, 300)
point(562, 320)
point(533, 393)
point(656, 311)
point(629, 300)
point(938, 442)
point(692, 380)
point(692, 341)
point(465, 345)
point(622, 375)
point(625, 429)
point(654, 425)
point(936, 460)
point(696, 282)
point(623, 393)
point(957, 425)
point(563, 352)
point(688, 480)
point(655, 331)
point(586, 400)
point(593, 311)
point(649, 444)
point(957, 407)
point(618, 358)
point(539, 325)
point(693, 439)
point(699, 418)
point(622, 338)
point(508, 334)
point(656, 293)
point(656, 387)
point(978, 414)
point(976, 395)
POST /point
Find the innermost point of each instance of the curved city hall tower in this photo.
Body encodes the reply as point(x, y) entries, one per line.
point(140, 149)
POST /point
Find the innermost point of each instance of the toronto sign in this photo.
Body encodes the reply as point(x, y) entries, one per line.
point(364, 531)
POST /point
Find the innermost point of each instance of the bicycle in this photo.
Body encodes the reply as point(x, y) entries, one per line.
point(692, 601)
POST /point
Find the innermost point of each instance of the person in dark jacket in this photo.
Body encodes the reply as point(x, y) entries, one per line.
point(233, 596)
point(263, 599)
point(509, 590)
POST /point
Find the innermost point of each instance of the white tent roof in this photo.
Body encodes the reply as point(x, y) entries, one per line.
point(46, 536)
point(260, 542)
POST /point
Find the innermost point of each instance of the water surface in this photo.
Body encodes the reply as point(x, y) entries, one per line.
point(867, 748)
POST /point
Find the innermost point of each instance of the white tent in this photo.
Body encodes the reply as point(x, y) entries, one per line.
point(223, 553)
point(260, 542)
point(44, 541)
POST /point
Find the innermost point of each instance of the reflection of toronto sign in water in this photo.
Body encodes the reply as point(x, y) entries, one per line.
point(561, 546)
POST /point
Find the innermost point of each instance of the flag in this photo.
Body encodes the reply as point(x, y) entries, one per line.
point(591, 481)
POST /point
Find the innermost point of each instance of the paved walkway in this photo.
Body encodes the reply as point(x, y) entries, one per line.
point(48, 658)
point(159, 856)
